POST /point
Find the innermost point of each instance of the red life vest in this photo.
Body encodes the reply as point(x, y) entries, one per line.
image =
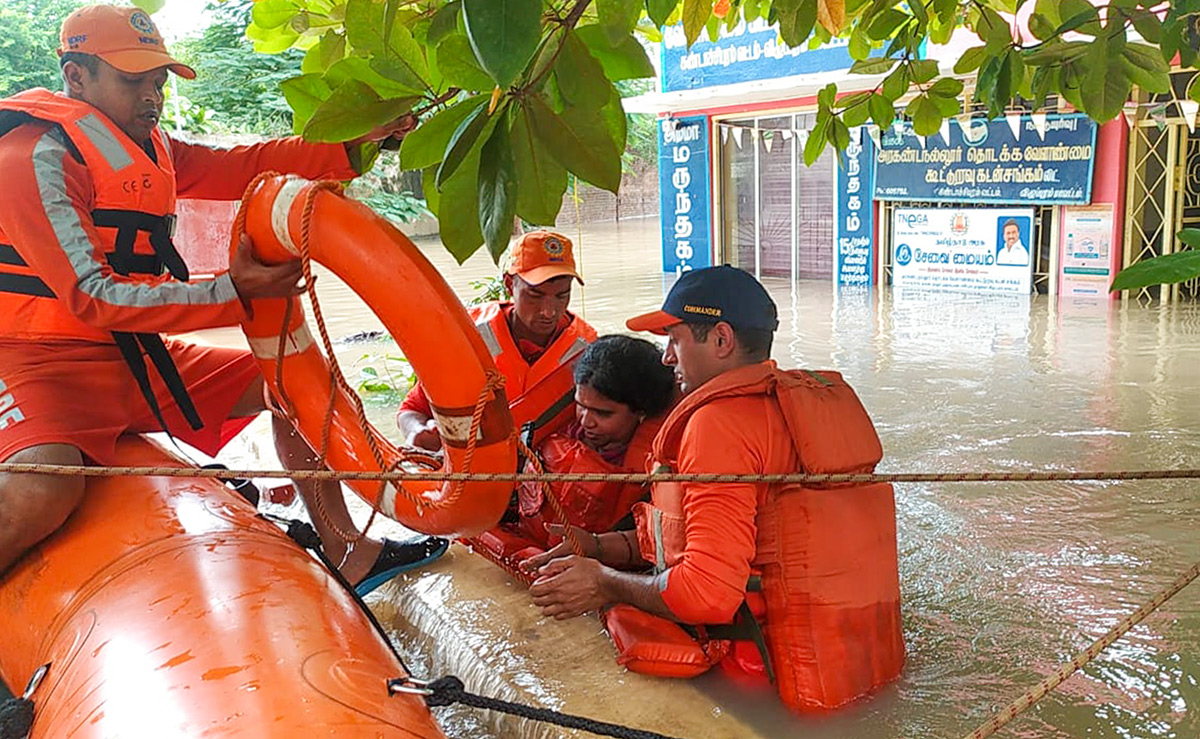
point(133, 213)
point(826, 555)
point(595, 506)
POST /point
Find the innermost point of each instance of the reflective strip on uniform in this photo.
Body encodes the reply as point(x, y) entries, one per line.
point(73, 239)
point(489, 338)
point(267, 347)
point(105, 142)
point(575, 350)
point(660, 556)
point(166, 144)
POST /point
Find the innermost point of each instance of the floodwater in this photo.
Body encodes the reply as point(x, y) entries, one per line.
point(1000, 582)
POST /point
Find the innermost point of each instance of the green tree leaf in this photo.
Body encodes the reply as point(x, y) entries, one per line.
point(444, 23)
point(580, 77)
point(627, 59)
point(394, 52)
point(462, 143)
point(695, 17)
point(882, 111)
point(797, 23)
point(358, 68)
point(150, 6)
point(1164, 270)
point(874, 65)
point(971, 59)
point(579, 140)
point(271, 40)
point(458, 204)
point(660, 10)
point(426, 146)
point(456, 62)
point(352, 110)
point(542, 179)
point(497, 191)
point(266, 13)
point(1146, 68)
point(1106, 86)
point(504, 35)
point(618, 17)
point(926, 119)
point(305, 94)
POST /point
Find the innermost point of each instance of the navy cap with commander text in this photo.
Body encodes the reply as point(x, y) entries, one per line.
point(712, 295)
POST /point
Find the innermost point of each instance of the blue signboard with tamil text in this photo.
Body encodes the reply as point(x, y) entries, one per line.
point(988, 163)
point(856, 212)
point(684, 192)
point(751, 51)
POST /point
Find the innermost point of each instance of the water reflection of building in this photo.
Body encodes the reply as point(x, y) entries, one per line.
point(737, 113)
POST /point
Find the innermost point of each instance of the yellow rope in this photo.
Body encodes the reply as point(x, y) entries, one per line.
point(1037, 692)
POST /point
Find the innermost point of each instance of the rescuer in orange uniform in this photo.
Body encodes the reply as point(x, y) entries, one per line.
point(533, 339)
point(89, 278)
point(803, 578)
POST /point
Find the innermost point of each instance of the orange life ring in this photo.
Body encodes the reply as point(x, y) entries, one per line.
point(429, 323)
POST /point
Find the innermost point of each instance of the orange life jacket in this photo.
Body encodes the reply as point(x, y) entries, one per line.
point(541, 393)
point(826, 554)
point(134, 214)
point(595, 506)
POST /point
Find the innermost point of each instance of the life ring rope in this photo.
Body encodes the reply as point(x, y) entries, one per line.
point(494, 380)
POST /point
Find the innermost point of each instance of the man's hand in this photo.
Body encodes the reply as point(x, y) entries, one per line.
point(427, 437)
point(569, 586)
point(562, 549)
point(256, 279)
point(397, 129)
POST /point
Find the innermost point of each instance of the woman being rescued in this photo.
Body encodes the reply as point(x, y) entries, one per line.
point(622, 394)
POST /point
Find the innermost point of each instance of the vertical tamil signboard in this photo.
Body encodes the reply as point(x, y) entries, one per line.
point(855, 212)
point(971, 250)
point(684, 192)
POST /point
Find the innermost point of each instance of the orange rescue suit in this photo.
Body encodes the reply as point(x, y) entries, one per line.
point(826, 554)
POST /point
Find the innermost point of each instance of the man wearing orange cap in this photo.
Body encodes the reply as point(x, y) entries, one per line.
point(533, 339)
point(85, 238)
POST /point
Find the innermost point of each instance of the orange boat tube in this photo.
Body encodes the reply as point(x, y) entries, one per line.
point(433, 330)
point(167, 608)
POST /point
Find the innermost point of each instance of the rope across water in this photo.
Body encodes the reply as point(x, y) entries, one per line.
point(631, 477)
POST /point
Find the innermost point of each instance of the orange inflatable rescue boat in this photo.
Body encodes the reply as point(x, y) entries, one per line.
point(166, 607)
point(287, 216)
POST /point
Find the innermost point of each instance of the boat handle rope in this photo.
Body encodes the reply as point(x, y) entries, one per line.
point(448, 690)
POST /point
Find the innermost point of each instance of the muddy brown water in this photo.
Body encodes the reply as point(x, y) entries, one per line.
point(1000, 582)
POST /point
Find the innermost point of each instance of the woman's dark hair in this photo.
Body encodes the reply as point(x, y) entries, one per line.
point(629, 371)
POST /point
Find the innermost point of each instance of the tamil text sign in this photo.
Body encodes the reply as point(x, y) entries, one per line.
point(855, 212)
point(683, 184)
point(751, 51)
point(973, 250)
point(989, 164)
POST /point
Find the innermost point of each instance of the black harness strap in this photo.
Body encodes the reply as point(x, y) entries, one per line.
point(745, 627)
point(124, 261)
point(21, 284)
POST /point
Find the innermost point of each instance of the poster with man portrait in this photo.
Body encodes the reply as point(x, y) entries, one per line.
point(963, 249)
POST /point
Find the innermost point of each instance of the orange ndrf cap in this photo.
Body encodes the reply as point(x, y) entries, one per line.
point(126, 38)
point(543, 255)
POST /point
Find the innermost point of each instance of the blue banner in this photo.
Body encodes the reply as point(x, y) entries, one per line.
point(684, 190)
point(751, 51)
point(989, 164)
point(856, 212)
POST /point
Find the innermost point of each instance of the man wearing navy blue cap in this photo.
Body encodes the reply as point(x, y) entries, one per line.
point(700, 537)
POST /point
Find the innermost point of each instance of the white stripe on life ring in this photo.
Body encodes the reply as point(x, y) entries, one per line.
point(282, 207)
point(456, 428)
point(267, 347)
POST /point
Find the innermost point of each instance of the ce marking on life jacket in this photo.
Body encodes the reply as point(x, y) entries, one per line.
point(136, 185)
